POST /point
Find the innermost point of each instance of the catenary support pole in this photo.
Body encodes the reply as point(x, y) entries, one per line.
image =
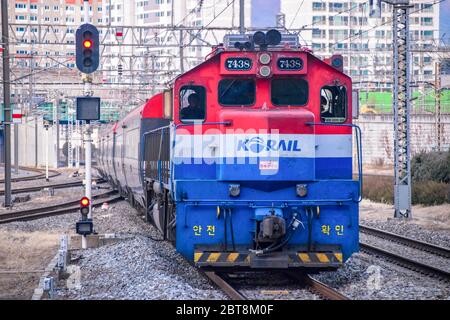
point(16, 148)
point(58, 106)
point(437, 95)
point(241, 16)
point(402, 110)
point(6, 102)
point(36, 141)
point(181, 52)
point(47, 143)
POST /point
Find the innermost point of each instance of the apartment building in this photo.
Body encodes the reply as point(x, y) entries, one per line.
point(366, 43)
point(42, 42)
point(160, 60)
point(329, 26)
point(59, 19)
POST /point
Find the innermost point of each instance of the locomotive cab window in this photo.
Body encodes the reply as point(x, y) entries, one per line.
point(237, 92)
point(289, 92)
point(192, 103)
point(333, 104)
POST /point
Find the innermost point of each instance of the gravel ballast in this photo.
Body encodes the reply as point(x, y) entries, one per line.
point(411, 230)
point(367, 277)
point(136, 267)
point(139, 267)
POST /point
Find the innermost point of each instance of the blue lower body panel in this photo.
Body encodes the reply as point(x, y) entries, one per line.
point(216, 229)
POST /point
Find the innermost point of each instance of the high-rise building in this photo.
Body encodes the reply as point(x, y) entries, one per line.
point(42, 42)
point(328, 27)
point(366, 43)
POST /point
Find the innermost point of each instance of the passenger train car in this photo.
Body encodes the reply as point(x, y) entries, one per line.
point(246, 161)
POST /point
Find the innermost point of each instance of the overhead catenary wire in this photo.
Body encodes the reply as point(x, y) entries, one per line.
point(383, 23)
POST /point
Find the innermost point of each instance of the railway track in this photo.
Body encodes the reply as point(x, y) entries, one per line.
point(54, 186)
point(406, 262)
point(40, 175)
point(307, 282)
point(413, 243)
point(58, 209)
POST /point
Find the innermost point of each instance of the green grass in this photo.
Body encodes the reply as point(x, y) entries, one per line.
point(382, 101)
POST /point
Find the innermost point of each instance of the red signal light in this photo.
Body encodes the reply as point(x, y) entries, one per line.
point(84, 202)
point(87, 44)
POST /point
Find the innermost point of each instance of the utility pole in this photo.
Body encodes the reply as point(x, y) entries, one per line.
point(47, 143)
point(30, 106)
point(402, 109)
point(437, 97)
point(78, 146)
point(16, 143)
point(181, 52)
point(58, 107)
point(69, 138)
point(241, 16)
point(401, 99)
point(6, 103)
point(36, 140)
point(16, 105)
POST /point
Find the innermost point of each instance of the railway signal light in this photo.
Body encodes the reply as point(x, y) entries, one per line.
point(85, 225)
point(84, 207)
point(87, 48)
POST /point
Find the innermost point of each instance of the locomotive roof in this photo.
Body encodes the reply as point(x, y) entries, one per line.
point(218, 51)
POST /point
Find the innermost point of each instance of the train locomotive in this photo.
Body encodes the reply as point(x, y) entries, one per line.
point(246, 161)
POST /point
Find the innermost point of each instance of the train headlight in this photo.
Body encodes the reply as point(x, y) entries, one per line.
point(265, 71)
point(264, 58)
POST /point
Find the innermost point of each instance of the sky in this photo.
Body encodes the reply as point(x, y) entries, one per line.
point(445, 20)
point(264, 13)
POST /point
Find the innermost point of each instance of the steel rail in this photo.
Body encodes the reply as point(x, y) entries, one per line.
point(224, 285)
point(413, 243)
point(323, 290)
point(41, 175)
point(57, 209)
point(318, 287)
point(311, 284)
point(54, 186)
point(406, 262)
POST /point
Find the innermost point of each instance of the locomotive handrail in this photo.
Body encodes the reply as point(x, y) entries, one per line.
point(159, 153)
point(358, 147)
point(173, 146)
point(227, 123)
point(250, 203)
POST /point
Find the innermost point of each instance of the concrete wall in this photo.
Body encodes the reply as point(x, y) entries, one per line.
point(28, 141)
point(378, 136)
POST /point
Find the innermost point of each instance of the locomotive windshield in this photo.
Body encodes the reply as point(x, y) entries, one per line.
point(333, 104)
point(192, 103)
point(289, 92)
point(237, 92)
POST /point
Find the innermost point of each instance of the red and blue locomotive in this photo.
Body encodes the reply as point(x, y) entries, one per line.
point(247, 160)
